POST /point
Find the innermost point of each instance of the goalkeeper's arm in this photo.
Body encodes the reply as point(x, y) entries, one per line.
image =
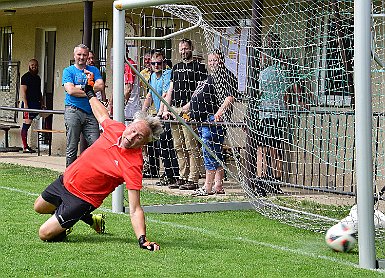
point(100, 112)
point(138, 221)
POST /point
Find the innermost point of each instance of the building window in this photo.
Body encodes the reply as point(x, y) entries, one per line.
point(5, 56)
point(160, 26)
point(335, 62)
point(99, 45)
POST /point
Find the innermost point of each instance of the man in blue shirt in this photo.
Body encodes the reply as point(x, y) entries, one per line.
point(78, 115)
point(160, 81)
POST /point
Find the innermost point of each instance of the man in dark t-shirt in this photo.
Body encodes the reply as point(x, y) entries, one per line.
point(30, 90)
point(185, 77)
point(184, 80)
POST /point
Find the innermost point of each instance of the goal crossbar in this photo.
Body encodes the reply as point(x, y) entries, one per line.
point(174, 34)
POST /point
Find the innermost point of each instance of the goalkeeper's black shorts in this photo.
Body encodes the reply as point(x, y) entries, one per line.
point(70, 208)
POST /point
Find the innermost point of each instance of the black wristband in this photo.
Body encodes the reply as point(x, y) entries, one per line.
point(142, 240)
point(90, 94)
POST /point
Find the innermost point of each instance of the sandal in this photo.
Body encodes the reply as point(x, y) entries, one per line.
point(220, 192)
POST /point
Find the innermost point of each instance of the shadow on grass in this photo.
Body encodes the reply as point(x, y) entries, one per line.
point(94, 238)
point(185, 243)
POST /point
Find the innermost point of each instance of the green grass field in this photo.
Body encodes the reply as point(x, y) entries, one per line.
point(223, 244)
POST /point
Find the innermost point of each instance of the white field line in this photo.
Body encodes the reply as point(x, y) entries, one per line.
point(19, 191)
point(215, 234)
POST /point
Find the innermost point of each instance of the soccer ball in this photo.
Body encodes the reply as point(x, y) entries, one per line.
point(341, 237)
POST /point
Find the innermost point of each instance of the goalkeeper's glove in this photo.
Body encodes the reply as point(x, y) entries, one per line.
point(89, 90)
point(151, 246)
point(89, 87)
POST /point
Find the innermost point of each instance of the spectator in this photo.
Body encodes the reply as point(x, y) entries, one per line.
point(78, 115)
point(115, 157)
point(131, 90)
point(274, 87)
point(197, 56)
point(30, 90)
point(151, 163)
point(146, 73)
point(101, 95)
point(160, 81)
point(212, 102)
point(91, 58)
point(185, 77)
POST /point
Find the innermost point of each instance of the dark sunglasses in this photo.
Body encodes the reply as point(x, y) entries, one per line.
point(157, 63)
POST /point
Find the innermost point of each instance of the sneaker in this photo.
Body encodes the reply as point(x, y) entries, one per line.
point(177, 184)
point(69, 230)
point(147, 175)
point(165, 181)
point(189, 185)
point(28, 150)
point(99, 223)
point(277, 190)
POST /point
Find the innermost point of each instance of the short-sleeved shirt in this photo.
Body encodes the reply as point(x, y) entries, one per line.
point(273, 84)
point(185, 77)
point(76, 76)
point(161, 85)
point(104, 166)
point(33, 83)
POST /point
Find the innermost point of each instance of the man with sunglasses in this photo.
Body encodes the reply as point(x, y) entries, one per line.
point(160, 81)
point(184, 80)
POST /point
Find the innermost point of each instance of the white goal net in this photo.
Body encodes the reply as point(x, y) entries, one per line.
point(289, 143)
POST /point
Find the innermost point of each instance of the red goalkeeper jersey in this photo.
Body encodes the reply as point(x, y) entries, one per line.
point(104, 166)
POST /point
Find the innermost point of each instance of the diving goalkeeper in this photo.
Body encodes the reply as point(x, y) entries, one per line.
point(114, 158)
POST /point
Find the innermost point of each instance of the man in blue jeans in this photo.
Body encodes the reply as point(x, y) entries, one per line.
point(78, 115)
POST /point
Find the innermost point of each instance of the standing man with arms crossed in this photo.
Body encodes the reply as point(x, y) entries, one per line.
point(30, 90)
point(184, 80)
point(78, 115)
point(114, 158)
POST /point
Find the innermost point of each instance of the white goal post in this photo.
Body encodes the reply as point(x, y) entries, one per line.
point(363, 130)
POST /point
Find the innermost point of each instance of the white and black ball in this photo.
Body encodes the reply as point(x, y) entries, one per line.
point(341, 237)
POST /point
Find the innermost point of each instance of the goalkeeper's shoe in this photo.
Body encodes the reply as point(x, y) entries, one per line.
point(99, 223)
point(69, 230)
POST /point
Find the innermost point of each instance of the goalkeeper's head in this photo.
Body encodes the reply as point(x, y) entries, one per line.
point(142, 130)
